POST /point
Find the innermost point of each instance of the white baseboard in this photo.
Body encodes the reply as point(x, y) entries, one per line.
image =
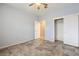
point(8, 45)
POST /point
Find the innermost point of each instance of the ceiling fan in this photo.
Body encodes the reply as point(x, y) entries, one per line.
point(39, 5)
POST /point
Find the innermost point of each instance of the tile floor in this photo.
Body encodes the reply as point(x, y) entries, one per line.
point(32, 48)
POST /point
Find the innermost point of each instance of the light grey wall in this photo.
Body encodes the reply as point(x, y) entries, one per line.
point(78, 29)
point(1, 24)
point(16, 26)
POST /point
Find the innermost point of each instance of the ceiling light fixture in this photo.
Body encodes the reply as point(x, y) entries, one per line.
point(39, 6)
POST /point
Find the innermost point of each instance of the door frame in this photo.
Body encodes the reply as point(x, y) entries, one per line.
point(55, 27)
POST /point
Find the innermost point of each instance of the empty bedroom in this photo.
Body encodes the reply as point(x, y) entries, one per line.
point(39, 29)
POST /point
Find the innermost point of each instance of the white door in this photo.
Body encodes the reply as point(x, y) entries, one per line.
point(37, 30)
point(59, 30)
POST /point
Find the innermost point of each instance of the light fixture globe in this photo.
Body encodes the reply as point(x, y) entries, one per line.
point(39, 6)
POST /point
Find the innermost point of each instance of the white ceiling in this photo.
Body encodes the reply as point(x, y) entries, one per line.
point(53, 8)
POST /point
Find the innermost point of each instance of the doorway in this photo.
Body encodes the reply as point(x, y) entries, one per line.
point(59, 36)
point(40, 31)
